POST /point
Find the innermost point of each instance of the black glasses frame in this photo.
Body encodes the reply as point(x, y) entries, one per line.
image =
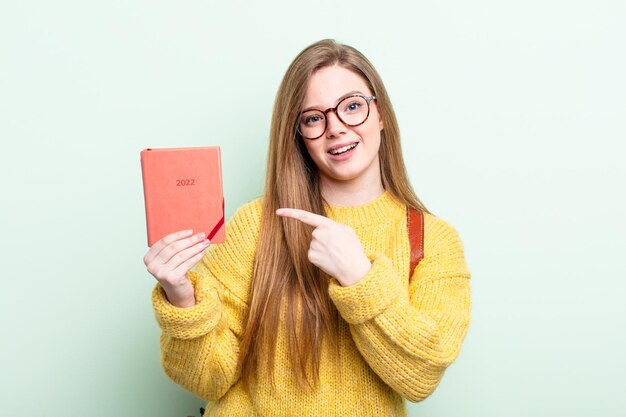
point(334, 110)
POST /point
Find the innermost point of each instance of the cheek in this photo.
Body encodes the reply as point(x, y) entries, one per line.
point(372, 128)
point(372, 135)
point(313, 149)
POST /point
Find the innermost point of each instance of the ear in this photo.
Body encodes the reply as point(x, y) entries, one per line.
point(380, 122)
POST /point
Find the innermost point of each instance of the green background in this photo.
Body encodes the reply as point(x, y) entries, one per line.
point(513, 124)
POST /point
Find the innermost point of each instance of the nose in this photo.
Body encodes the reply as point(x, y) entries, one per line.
point(335, 127)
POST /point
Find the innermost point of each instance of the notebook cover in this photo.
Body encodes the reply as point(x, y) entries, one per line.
point(183, 190)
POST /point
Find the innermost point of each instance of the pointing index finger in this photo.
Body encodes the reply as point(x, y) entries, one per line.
point(304, 216)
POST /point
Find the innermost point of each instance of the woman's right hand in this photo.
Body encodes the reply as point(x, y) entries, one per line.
point(170, 259)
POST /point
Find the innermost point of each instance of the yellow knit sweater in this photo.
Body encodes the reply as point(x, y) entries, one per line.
point(396, 337)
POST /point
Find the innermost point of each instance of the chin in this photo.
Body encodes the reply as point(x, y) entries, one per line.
point(347, 175)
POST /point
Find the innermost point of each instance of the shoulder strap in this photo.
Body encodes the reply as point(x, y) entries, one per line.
point(415, 224)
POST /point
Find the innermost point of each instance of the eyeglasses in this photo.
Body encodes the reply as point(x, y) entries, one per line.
point(352, 111)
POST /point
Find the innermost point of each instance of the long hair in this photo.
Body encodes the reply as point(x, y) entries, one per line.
point(282, 271)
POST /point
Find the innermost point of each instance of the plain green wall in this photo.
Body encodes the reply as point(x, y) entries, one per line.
point(512, 117)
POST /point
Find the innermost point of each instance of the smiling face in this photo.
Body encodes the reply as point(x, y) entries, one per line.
point(343, 154)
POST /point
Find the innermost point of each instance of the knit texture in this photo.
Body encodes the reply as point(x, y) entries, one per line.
point(396, 337)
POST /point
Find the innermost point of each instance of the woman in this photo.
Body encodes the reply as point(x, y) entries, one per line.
point(307, 308)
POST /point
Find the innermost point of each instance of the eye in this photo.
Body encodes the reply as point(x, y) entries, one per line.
point(352, 106)
point(312, 119)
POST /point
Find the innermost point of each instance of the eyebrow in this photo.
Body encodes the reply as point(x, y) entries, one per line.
point(351, 93)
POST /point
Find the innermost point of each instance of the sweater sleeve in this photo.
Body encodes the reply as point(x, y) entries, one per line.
point(200, 344)
point(409, 336)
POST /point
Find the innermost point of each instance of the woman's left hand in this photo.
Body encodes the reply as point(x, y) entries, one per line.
point(335, 247)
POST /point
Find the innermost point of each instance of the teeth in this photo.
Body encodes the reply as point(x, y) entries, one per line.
point(343, 149)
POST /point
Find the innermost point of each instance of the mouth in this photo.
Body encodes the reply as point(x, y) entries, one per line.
point(341, 149)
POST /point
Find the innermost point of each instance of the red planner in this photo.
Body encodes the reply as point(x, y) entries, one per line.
point(183, 190)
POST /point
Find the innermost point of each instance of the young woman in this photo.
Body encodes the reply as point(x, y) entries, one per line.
point(308, 308)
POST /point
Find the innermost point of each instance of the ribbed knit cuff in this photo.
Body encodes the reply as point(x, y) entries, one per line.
point(369, 297)
point(191, 322)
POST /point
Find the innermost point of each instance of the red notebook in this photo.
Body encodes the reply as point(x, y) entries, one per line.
point(183, 190)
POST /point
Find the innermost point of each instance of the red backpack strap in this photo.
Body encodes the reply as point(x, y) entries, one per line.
point(415, 224)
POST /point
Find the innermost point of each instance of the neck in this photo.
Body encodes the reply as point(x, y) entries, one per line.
point(350, 193)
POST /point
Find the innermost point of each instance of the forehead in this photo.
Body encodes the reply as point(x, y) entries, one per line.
point(327, 84)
